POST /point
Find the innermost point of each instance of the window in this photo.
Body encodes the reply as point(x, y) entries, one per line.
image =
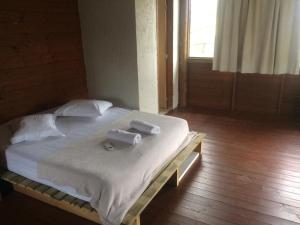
point(202, 28)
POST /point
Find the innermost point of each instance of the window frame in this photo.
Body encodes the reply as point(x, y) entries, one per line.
point(193, 58)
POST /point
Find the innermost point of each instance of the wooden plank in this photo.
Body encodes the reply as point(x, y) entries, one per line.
point(290, 104)
point(42, 188)
point(46, 6)
point(36, 35)
point(59, 195)
point(136, 221)
point(207, 88)
point(25, 183)
point(69, 199)
point(33, 185)
point(90, 215)
point(88, 207)
point(170, 50)
point(17, 179)
point(7, 176)
point(183, 52)
point(161, 55)
point(50, 192)
point(266, 89)
point(78, 203)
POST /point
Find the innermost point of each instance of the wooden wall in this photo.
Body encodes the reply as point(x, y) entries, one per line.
point(249, 93)
point(41, 62)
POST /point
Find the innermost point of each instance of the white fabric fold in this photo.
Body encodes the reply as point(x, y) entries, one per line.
point(124, 136)
point(145, 127)
point(36, 127)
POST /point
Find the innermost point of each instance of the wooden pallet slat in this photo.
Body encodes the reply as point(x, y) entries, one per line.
point(33, 185)
point(17, 179)
point(137, 208)
point(7, 176)
point(50, 192)
point(88, 207)
point(78, 203)
point(59, 195)
point(25, 182)
point(42, 188)
point(69, 199)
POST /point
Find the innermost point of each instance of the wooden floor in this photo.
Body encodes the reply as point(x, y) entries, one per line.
point(249, 174)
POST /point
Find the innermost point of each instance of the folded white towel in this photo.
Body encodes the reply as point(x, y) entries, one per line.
point(124, 136)
point(145, 127)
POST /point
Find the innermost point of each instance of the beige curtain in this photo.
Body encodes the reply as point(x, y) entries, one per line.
point(258, 36)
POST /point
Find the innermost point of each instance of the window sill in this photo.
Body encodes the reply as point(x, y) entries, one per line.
point(199, 60)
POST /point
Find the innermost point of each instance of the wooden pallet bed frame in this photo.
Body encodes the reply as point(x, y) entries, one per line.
point(171, 174)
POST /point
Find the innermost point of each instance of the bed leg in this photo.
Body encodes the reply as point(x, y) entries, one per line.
point(137, 221)
point(174, 179)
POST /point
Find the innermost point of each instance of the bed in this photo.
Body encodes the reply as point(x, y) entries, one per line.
point(123, 182)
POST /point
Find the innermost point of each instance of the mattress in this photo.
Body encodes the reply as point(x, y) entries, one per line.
point(115, 179)
point(22, 158)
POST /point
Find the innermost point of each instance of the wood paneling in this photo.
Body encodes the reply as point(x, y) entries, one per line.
point(207, 88)
point(247, 93)
point(41, 62)
point(51, 6)
point(257, 93)
point(291, 95)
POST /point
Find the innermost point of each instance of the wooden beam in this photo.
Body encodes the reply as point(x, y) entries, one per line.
point(281, 93)
point(170, 26)
point(183, 51)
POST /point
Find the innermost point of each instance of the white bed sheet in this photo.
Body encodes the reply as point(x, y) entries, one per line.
point(115, 179)
point(22, 158)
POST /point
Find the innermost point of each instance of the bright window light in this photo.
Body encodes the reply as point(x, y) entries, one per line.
point(202, 28)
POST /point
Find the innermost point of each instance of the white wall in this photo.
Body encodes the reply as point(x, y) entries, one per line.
point(120, 52)
point(175, 52)
point(110, 50)
point(147, 55)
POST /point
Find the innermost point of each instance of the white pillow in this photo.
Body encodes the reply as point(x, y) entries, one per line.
point(35, 128)
point(84, 108)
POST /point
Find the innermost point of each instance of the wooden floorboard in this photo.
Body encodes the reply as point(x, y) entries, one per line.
point(249, 175)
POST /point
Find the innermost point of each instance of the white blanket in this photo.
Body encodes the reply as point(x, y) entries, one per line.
point(115, 179)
